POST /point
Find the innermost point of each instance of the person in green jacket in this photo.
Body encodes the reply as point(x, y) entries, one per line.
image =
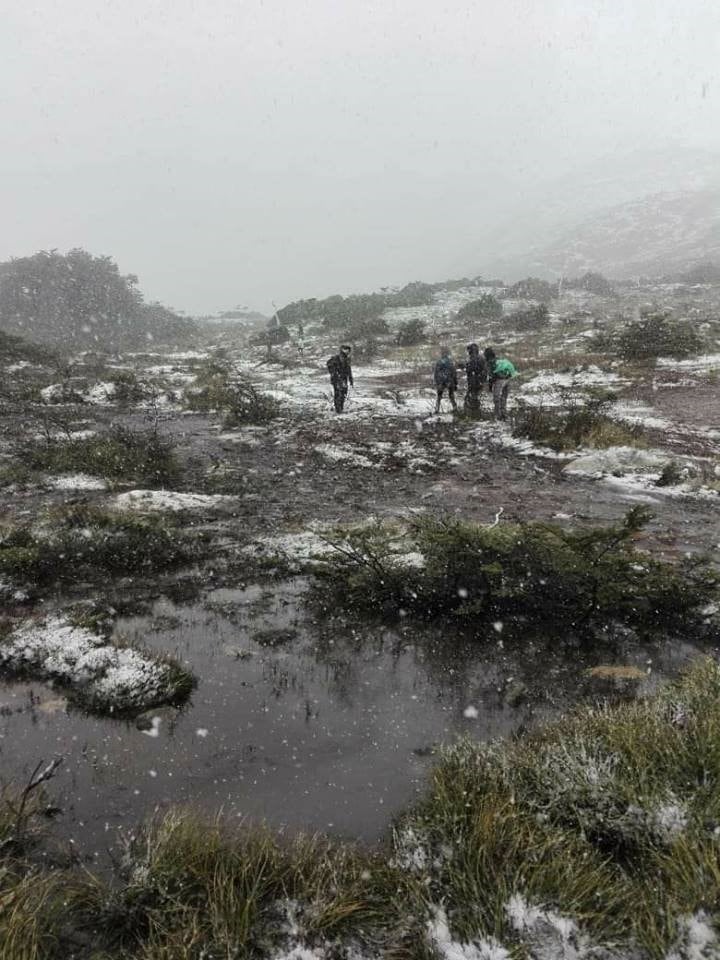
point(501, 372)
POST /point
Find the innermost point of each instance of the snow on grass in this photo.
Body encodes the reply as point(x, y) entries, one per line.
point(102, 676)
point(484, 948)
point(635, 473)
point(549, 935)
point(100, 393)
point(343, 455)
point(168, 500)
point(706, 362)
point(697, 939)
point(618, 462)
point(631, 411)
point(549, 384)
point(668, 820)
point(76, 481)
point(499, 434)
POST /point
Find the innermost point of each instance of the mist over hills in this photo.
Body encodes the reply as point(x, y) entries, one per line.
point(645, 213)
point(660, 234)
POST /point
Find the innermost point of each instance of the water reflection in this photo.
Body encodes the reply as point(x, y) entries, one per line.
point(306, 721)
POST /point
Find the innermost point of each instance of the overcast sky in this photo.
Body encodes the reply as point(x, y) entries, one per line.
point(239, 151)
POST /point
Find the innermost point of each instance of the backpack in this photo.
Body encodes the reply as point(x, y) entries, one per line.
point(445, 372)
point(333, 366)
point(504, 370)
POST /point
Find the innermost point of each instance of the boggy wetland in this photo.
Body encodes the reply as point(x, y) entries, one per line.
point(475, 660)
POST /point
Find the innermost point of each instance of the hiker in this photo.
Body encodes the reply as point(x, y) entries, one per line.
point(476, 374)
point(340, 375)
point(445, 376)
point(501, 373)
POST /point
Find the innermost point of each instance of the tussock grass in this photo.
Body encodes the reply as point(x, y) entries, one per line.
point(576, 578)
point(194, 886)
point(608, 817)
point(120, 454)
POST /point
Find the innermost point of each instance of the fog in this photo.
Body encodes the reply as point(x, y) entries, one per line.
point(256, 152)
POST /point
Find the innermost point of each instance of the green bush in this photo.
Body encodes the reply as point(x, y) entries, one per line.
point(534, 318)
point(581, 419)
point(219, 387)
point(120, 454)
point(410, 333)
point(654, 335)
point(365, 328)
point(519, 570)
point(487, 307)
point(531, 288)
point(89, 542)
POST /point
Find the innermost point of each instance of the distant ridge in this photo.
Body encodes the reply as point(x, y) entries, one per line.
point(659, 234)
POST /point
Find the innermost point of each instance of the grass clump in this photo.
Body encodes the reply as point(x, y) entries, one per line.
point(90, 542)
point(542, 571)
point(580, 420)
point(120, 454)
point(607, 819)
point(220, 387)
point(197, 889)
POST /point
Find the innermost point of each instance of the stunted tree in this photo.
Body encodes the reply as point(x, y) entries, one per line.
point(76, 299)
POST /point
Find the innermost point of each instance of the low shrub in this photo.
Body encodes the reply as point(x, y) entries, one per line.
point(534, 318)
point(580, 419)
point(654, 335)
point(487, 307)
point(128, 389)
point(120, 454)
point(542, 571)
point(90, 542)
point(365, 328)
point(410, 333)
point(366, 351)
point(219, 387)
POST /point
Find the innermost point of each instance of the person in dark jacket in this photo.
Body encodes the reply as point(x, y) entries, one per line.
point(340, 376)
point(476, 374)
point(445, 376)
point(501, 373)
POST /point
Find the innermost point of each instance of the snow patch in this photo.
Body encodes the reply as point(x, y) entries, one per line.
point(697, 940)
point(617, 461)
point(343, 455)
point(483, 948)
point(103, 676)
point(549, 935)
point(171, 500)
point(76, 481)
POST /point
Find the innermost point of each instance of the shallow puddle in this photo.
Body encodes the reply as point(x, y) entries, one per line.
point(298, 718)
